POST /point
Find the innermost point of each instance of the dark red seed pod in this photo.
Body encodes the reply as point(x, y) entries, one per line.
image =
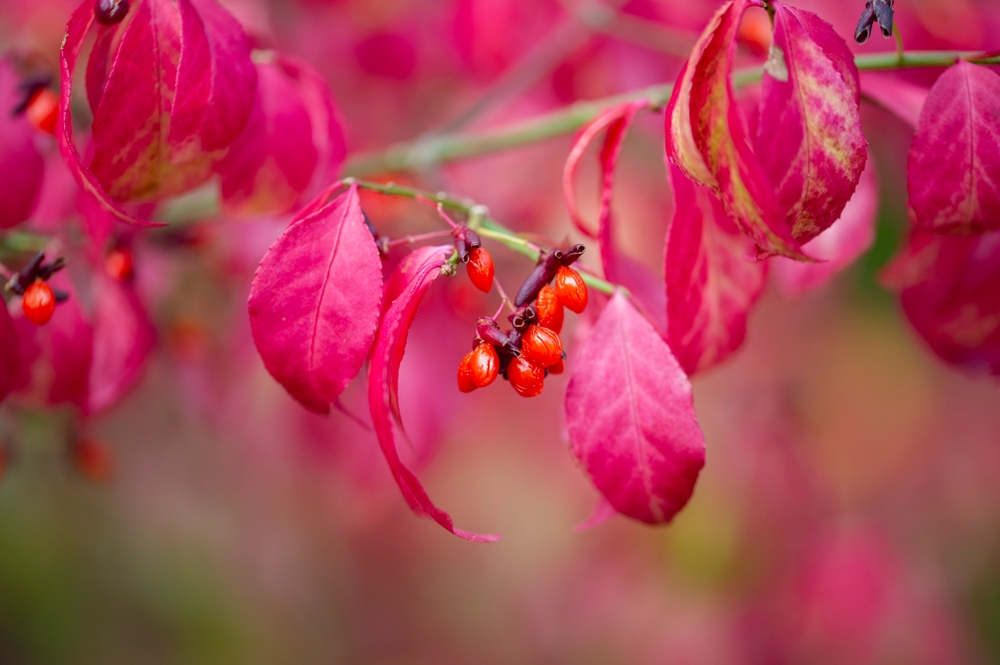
point(466, 381)
point(543, 273)
point(558, 368)
point(110, 12)
point(480, 269)
point(550, 311)
point(571, 290)
point(488, 330)
point(39, 303)
point(569, 256)
point(523, 317)
point(485, 365)
point(541, 346)
point(466, 240)
point(527, 378)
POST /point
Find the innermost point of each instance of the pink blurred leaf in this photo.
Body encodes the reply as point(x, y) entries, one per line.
point(631, 419)
point(705, 136)
point(68, 348)
point(292, 140)
point(809, 140)
point(21, 165)
point(711, 285)
point(953, 172)
point(950, 290)
point(8, 352)
point(838, 246)
point(123, 339)
point(387, 353)
point(901, 98)
point(315, 300)
point(602, 512)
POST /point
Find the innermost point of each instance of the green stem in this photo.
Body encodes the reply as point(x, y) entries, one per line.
point(431, 151)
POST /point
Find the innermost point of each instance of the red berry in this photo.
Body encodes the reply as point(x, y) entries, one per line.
point(39, 303)
point(480, 268)
point(93, 460)
point(570, 289)
point(550, 310)
point(485, 365)
point(527, 378)
point(43, 111)
point(118, 264)
point(541, 346)
point(110, 12)
point(466, 378)
point(558, 368)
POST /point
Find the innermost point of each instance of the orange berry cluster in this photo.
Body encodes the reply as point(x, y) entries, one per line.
point(532, 349)
point(38, 299)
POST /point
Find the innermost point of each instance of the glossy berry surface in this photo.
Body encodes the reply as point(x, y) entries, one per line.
point(43, 111)
point(39, 303)
point(541, 346)
point(550, 311)
point(466, 379)
point(571, 290)
point(527, 378)
point(110, 12)
point(480, 268)
point(485, 365)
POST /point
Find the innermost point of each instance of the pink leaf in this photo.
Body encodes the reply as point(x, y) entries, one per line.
point(69, 350)
point(710, 283)
point(123, 339)
point(809, 140)
point(414, 279)
point(21, 165)
point(901, 98)
point(950, 290)
point(292, 140)
point(705, 136)
point(8, 352)
point(631, 419)
point(838, 246)
point(314, 304)
point(953, 173)
point(602, 512)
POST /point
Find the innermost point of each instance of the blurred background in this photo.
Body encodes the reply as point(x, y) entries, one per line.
point(849, 511)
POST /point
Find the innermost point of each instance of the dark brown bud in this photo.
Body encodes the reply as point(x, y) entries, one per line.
point(110, 12)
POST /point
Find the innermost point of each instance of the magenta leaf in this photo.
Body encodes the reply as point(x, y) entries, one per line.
point(631, 419)
point(838, 246)
point(901, 98)
point(950, 290)
point(809, 139)
point(705, 136)
point(710, 283)
point(21, 165)
point(408, 285)
point(953, 172)
point(291, 142)
point(123, 339)
point(67, 343)
point(8, 352)
point(315, 302)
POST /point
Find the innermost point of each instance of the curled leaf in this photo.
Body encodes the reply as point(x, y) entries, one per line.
point(315, 301)
point(409, 284)
point(711, 285)
point(631, 419)
point(953, 172)
point(21, 165)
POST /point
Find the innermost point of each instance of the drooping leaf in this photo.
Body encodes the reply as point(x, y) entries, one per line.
point(705, 136)
point(838, 246)
point(630, 417)
point(901, 98)
point(315, 302)
point(809, 140)
point(123, 339)
point(412, 280)
point(950, 291)
point(711, 283)
point(21, 165)
point(8, 352)
point(292, 141)
point(953, 172)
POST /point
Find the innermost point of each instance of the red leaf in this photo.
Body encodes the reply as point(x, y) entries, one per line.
point(710, 283)
point(838, 246)
point(631, 419)
point(953, 173)
point(21, 165)
point(314, 304)
point(706, 139)
point(809, 140)
point(950, 290)
point(412, 279)
point(8, 352)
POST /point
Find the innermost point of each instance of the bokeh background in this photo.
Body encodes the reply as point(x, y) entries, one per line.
point(849, 511)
